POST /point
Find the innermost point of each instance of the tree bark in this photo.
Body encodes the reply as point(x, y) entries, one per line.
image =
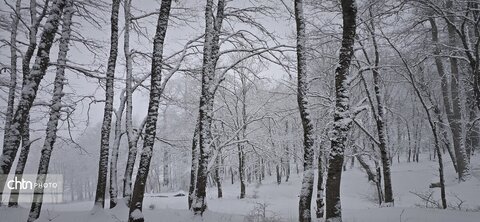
point(13, 67)
point(108, 109)
point(430, 121)
point(22, 161)
point(380, 122)
point(456, 124)
point(156, 90)
point(319, 201)
point(241, 169)
point(342, 120)
point(194, 167)
point(210, 57)
point(287, 154)
point(306, 192)
point(132, 139)
point(29, 91)
point(444, 84)
point(218, 180)
point(56, 105)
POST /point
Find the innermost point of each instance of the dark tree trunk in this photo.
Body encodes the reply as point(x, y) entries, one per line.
point(194, 167)
point(107, 112)
point(456, 120)
point(320, 204)
point(384, 154)
point(342, 121)
point(279, 174)
point(218, 180)
point(11, 103)
point(156, 90)
point(13, 68)
point(22, 161)
point(210, 58)
point(430, 119)
point(55, 107)
point(241, 170)
point(372, 177)
point(287, 154)
point(444, 84)
point(306, 192)
point(31, 85)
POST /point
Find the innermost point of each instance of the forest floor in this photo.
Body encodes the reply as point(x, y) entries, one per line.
point(280, 202)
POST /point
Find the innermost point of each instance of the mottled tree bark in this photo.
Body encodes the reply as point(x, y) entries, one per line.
point(217, 178)
point(55, 107)
point(456, 123)
point(194, 167)
point(211, 46)
point(108, 109)
point(13, 67)
point(380, 122)
point(319, 201)
point(342, 120)
point(11, 102)
point(372, 177)
point(125, 104)
point(156, 90)
point(444, 84)
point(241, 169)
point(30, 86)
point(306, 192)
point(132, 140)
point(287, 154)
point(22, 161)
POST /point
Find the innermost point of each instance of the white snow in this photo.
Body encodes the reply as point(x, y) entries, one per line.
point(358, 202)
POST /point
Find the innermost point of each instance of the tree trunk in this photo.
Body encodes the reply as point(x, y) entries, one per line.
point(342, 119)
point(194, 167)
point(13, 68)
point(278, 173)
point(156, 90)
point(385, 156)
point(210, 58)
point(287, 154)
point(372, 177)
point(456, 123)
point(22, 161)
point(132, 138)
point(444, 84)
point(304, 205)
point(132, 154)
point(241, 170)
point(55, 107)
point(431, 123)
point(125, 102)
point(320, 204)
point(107, 112)
point(29, 91)
point(218, 181)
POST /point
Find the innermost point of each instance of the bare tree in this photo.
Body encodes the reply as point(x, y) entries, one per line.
point(304, 205)
point(213, 25)
point(30, 88)
point(108, 109)
point(55, 109)
point(156, 90)
point(430, 119)
point(342, 119)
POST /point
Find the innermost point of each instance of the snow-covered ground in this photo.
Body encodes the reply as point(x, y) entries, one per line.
point(281, 201)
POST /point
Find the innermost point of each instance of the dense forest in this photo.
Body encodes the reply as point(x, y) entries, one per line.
point(230, 110)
